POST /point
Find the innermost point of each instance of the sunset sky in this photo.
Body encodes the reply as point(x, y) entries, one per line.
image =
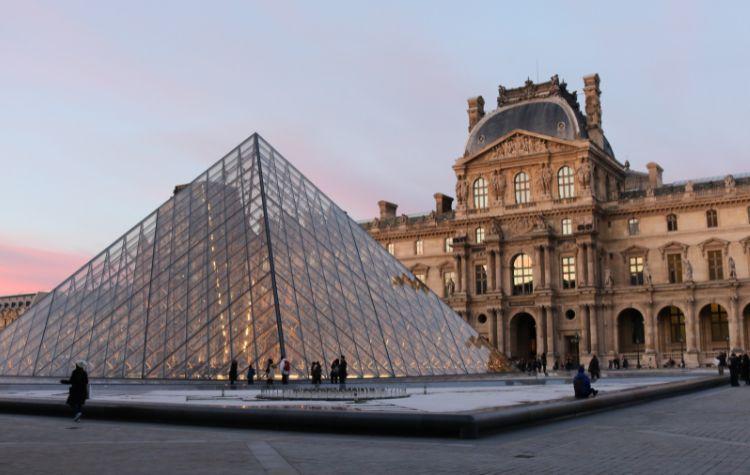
point(105, 107)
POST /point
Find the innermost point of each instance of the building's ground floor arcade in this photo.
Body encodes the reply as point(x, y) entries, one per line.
point(650, 328)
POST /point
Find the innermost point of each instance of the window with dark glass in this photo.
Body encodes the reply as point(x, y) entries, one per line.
point(719, 323)
point(671, 222)
point(715, 265)
point(565, 182)
point(674, 268)
point(676, 324)
point(712, 219)
point(522, 188)
point(480, 193)
point(480, 279)
point(523, 278)
point(633, 226)
point(635, 268)
point(568, 265)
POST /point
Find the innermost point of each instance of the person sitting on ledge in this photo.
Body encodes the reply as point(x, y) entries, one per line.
point(582, 385)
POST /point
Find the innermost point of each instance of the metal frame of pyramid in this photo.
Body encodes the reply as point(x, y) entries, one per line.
point(249, 262)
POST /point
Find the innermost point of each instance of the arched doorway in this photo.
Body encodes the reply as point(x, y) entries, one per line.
point(714, 324)
point(630, 334)
point(522, 336)
point(671, 331)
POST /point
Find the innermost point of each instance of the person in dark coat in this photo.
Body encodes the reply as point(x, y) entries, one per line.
point(745, 368)
point(233, 373)
point(582, 385)
point(269, 371)
point(335, 371)
point(722, 357)
point(250, 374)
point(79, 389)
point(316, 371)
point(594, 368)
point(343, 366)
point(734, 370)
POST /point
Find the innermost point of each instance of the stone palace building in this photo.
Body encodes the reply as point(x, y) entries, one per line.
point(13, 306)
point(555, 247)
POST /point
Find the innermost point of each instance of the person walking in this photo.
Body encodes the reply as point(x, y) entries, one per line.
point(745, 368)
point(79, 389)
point(250, 374)
point(317, 373)
point(544, 363)
point(582, 385)
point(343, 366)
point(335, 371)
point(269, 372)
point(721, 362)
point(286, 368)
point(594, 368)
point(233, 374)
point(734, 370)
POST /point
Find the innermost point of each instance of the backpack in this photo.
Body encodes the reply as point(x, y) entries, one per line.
point(287, 366)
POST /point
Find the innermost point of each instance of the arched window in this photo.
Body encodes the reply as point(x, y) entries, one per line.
point(671, 222)
point(479, 235)
point(566, 226)
point(480, 193)
point(523, 278)
point(565, 182)
point(522, 187)
point(712, 220)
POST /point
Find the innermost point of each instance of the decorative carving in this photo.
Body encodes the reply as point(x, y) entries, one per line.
point(497, 186)
point(609, 282)
point(496, 229)
point(545, 179)
point(519, 145)
point(729, 183)
point(732, 269)
point(650, 191)
point(688, 268)
point(450, 287)
point(462, 189)
point(689, 187)
point(584, 174)
point(647, 280)
point(403, 219)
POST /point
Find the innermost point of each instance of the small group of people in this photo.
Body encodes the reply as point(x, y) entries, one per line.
point(316, 373)
point(533, 365)
point(339, 371)
point(739, 367)
point(617, 363)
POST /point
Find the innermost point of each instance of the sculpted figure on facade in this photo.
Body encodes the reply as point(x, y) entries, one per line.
point(584, 174)
point(496, 229)
point(462, 189)
point(732, 269)
point(497, 185)
point(689, 187)
point(450, 287)
point(729, 183)
point(519, 145)
point(545, 179)
point(647, 280)
point(609, 282)
point(688, 270)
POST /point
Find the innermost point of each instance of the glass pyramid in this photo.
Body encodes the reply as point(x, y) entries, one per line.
point(249, 262)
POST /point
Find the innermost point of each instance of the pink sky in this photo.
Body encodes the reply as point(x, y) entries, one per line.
point(27, 270)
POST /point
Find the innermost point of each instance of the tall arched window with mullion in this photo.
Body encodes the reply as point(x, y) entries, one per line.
point(480, 193)
point(566, 182)
point(522, 188)
point(523, 275)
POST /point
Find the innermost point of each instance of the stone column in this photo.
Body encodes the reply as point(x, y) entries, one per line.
point(459, 279)
point(583, 348)
point(590, 258)
point(551, 334)
point(580, 265)
point(491, 270)
point(548, 260)
point(541, 331)
point(538, 267)
point(506, 334)
point(611, 327)
point(467, 275)
point(594, 322)
point(651, 338)
point(499, 270)
point(493, 327)
point(735, 337)
point(692, 355)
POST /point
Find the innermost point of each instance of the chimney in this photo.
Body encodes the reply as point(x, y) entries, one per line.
point(179, 188)
point(593, 109)
point(475, 110)
point(443, 203)
point(654, 174)
point(387, 209)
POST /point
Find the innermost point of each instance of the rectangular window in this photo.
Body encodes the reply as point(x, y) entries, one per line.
point(449, 283)
point(568, 265)
point(480, 279)
point(677, 325)
point(715, 267)
point(567, 227)
point(635, 267)
point(719, 323)
point(449, 245)
point(712, 218)
point(419, 247)
point(674, 268)
point(633, 227)
point(391, 248)
point(421, 277)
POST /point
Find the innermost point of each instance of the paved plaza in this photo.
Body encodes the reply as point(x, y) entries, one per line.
point(702, 432)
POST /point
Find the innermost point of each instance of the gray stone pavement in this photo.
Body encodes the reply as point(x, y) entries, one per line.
point(703, 432)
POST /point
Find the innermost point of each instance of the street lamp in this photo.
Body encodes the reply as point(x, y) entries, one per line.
point(638, 353)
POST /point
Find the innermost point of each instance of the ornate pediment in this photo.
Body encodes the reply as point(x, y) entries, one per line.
point(674, 246)
point(535, 223)
point(517, 144)
point(713, 243)
point(633, 251)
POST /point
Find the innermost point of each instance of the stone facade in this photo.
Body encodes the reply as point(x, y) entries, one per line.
point(13, 306)
point(559, 248)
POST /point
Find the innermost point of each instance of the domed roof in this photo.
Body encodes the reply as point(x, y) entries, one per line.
point(550, 116)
